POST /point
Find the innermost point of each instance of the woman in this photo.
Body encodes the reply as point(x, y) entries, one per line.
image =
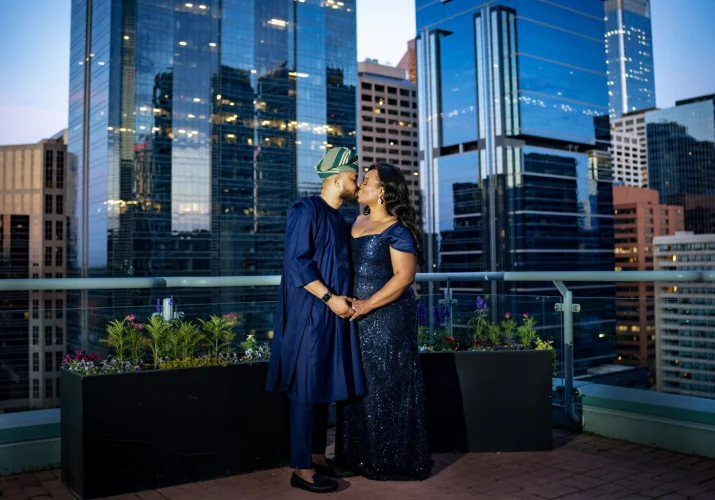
point(384, 434)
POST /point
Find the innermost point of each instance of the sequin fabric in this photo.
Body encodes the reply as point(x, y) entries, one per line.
point(383, 435)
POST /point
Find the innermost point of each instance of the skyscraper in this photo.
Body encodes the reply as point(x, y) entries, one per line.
point(629, 149)
point(192, 127)
point(639, 219)
point(629, 56)
point(685, 325)
point(409, 62)
point(388, 122)
point(33, 229)
point(513, 96)
point(681, 159)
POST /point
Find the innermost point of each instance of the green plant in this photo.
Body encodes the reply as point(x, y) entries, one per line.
point(125, 338)
point(117, 338)
point(253, 351)
point(479, 324)
point(182, 339)
point(218, 332)
point(494, 334)
point(424, 339)
point(547, 345)
point(509, 326)
point(526, 331)
point(194, 362)
point(158, 330)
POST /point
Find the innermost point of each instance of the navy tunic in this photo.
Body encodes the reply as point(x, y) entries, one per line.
point(315, 355)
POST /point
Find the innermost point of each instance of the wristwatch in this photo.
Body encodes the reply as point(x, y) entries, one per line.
point(327, 297)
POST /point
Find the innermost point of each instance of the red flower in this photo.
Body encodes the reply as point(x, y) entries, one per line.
point(130, 317)
point(526, 315)
point(449, 339)
point(203, 345)
point(507, 315)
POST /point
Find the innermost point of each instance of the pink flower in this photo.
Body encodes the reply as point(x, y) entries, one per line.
point(526, 315)
point(139, 327)
point(507, 315)
point(130, 317)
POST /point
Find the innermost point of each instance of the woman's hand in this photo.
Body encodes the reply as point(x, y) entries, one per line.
point(361, 308)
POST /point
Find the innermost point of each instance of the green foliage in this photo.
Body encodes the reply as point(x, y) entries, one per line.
point(159, 331)
point(125, 338)
point(182, 340)
point(548, 345)
point(526, 331)
point(218, 332)
point(194, 362)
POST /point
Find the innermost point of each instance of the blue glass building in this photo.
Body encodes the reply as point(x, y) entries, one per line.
point(629, 56)
point(681, 159)
point(513, 120)
point(192, 126)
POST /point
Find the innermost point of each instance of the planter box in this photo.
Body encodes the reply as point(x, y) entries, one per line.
point(488, 401)
point(145, 430)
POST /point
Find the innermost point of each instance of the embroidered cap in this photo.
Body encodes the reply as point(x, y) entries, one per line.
point(336, 161)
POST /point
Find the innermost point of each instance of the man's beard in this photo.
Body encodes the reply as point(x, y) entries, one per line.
point(349, 197)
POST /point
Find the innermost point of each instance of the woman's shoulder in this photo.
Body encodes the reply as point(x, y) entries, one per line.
point(400, 238)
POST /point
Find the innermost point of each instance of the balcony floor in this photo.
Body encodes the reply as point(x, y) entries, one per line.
point(579, 467)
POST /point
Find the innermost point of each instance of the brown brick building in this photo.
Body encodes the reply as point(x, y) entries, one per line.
point(638, 219)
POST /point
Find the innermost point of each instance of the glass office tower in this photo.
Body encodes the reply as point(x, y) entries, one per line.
point(513, 121)
point(192, 127)
point(681, 159)
point(629, 56)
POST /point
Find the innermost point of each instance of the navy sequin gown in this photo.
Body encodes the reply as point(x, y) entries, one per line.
point(383, 435)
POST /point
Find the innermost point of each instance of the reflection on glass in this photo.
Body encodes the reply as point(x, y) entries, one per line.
point(197, 130)
point(681, 155)
point(517, 94)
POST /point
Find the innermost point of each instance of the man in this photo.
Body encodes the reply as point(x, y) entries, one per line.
point(315, 354)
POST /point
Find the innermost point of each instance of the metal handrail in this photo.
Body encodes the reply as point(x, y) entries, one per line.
point(250, 281)
point(558, 278)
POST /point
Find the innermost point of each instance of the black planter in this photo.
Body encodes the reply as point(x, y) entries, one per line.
point(152, 429)
point(488, 401)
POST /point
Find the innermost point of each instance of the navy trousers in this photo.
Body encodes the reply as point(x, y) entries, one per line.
point(308, 426)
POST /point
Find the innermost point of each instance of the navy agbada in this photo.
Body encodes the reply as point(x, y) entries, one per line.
point(315, 354)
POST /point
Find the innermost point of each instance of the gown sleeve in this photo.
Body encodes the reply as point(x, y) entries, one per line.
point(400, 238)
point(300, 247)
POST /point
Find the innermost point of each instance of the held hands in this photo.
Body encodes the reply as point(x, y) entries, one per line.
point(360, 308)
point(341, 306)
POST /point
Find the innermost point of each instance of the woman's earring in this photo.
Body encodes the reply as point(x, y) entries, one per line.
point(380, 201)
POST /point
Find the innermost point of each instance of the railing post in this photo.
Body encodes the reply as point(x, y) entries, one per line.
point(567, 311)
point(447, 302)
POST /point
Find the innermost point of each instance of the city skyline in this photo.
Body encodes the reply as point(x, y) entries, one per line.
point(35, 47)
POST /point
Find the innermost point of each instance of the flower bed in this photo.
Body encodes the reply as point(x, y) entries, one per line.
point(494, 390)
point(173, 404)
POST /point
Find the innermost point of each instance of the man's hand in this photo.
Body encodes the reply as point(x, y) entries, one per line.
point(340, 306)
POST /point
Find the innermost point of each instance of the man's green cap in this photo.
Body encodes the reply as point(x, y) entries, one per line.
point(336, 161)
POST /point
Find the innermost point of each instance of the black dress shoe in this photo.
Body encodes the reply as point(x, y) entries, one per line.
point(320, 484)
point(332, 469)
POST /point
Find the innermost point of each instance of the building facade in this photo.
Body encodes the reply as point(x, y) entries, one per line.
point(685, 323)
point(192, 127)
point(629, 56)
point(629, 149)
point(409, 62)
point(388, 122)
point(33, 230)
point(639, 218)
point(513, 103)
point(681, 159)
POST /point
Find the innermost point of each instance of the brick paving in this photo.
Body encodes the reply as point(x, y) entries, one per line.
point(579, 467)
